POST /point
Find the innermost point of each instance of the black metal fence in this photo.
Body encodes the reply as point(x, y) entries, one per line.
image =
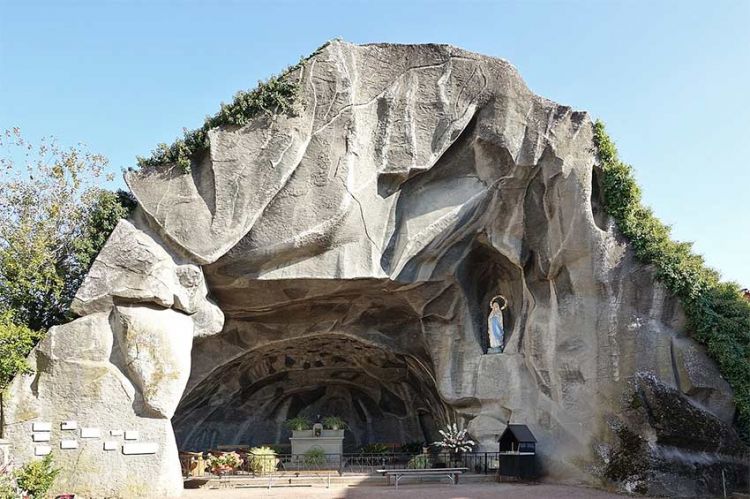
point(199, 464)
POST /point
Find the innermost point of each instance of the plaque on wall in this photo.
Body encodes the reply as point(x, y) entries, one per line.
point(90, 432)
point(42, 450)
point(41, 427)
point(110, 445)
point(140, 448)
point(40, 436)
point(69, 425)
point(131, 435)
point(68, 444)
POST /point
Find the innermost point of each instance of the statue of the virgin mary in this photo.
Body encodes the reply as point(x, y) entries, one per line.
point(495, 324)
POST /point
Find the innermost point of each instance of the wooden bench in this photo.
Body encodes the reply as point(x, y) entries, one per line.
point(453, 474)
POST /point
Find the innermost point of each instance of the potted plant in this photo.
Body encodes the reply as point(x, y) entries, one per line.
point(262, 460)
point(314, 457)
point(334, 426)
point(334, 423)
point(455, 441)
point(419, 462)
point(300, 426)
point(224, 463)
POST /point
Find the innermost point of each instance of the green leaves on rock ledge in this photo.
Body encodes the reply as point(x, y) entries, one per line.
point(278, 95)
point(718, 315)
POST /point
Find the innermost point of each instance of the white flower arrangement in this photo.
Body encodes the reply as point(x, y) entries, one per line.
point(455, 440)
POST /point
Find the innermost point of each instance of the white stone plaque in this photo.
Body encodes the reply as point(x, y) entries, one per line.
point(90, 433)
point(68, 444)
point(42, 450)
point(131, 435)
point(40, 436)
point(41, 427)
point(110, 445)
point(140, 448)
point(115, 433)
point(69, 425)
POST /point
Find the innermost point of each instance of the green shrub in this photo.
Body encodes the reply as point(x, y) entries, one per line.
point(419, 462)
point(8, 488)
point(334, 423)
point(298, 423)
point(16, 341)
point(315, 456)
point(37, 477)
point(375, 448)
point(277, 95)
point(412, 447)
point(262, 460)
point(718, 315)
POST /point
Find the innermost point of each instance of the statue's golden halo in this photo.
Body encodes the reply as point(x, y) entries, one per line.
point(501, 297)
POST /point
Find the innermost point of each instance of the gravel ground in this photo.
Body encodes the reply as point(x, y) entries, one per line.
point(415, 491)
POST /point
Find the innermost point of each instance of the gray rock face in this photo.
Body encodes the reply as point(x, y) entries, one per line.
point(354, 249)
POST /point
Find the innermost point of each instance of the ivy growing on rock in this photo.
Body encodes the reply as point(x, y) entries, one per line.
point(718, 315)
point(277, 95)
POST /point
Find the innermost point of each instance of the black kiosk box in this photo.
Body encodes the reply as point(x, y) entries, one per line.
point(517, 459)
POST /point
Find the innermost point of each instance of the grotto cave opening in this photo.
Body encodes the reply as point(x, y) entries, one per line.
point(352, 349)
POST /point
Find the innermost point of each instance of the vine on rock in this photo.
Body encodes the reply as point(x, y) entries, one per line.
point(277, 95)
point(718, 315)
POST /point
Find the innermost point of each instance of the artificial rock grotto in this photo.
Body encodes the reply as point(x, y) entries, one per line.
point(341, 259)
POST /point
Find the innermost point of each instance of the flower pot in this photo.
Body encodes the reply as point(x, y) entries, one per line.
point(302, 433)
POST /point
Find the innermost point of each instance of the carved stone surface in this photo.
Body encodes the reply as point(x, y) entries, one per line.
point(155, 346)
point(353, 249)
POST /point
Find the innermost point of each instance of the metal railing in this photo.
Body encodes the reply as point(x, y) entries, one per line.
point(197, 465)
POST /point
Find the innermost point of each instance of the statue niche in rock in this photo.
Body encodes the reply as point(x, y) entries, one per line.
point(495, 325)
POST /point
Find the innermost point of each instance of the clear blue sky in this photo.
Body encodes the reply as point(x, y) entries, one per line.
point(670, 78)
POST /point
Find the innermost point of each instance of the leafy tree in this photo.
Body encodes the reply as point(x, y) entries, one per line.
point(54, 219)
point(16, 341)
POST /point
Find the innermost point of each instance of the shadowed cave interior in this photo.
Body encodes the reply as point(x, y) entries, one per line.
point(355, 348)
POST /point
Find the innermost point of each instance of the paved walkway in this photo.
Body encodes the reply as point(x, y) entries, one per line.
point(415, 491)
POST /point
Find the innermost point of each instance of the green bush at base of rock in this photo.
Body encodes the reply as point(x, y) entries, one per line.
point(37, 477)
point(718, 315)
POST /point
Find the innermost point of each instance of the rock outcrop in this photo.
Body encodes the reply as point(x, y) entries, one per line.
point(354, 248)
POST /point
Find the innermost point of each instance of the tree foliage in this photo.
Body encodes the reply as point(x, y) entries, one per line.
point(53, 221)
point(16, 341)
point(718, 315)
